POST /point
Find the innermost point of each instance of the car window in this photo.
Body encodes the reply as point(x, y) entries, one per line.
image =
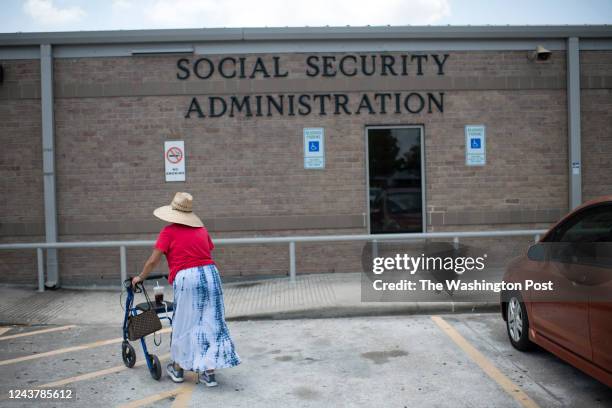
point(585, 238)
point(590, 225)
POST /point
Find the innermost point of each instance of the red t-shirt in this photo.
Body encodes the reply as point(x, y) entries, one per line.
point(184, 247)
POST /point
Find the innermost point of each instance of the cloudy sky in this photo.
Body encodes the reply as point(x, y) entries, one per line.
point(70, 15)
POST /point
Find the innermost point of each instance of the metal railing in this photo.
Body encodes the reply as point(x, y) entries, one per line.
point(291, 240)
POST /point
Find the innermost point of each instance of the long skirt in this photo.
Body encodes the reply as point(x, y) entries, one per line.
point(200, 337)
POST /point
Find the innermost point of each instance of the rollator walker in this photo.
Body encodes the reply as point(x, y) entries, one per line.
point(164, 310)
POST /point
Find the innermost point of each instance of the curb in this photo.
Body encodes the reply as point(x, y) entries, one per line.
point(331, 312)
point(367, 310)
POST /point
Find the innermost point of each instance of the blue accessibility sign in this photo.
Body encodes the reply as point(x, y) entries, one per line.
point(313, 146)
point(475, 143)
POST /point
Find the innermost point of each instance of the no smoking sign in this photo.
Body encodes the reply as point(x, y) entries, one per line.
point(174, 157)
point(174, 154)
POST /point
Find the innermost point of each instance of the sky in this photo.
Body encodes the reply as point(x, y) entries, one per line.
point(75, 15)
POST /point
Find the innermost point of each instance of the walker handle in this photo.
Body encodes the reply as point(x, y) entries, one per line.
point(156, 277)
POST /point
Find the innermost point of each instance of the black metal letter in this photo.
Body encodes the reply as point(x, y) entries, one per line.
point(194, 106)
point(388, 61)
point(407, 102)
point(419, 59)
point(327, 64)
point(259, 67)
point(245, 104)
point(311, 64)
point(438, 102)
point(304, 102)
point(180, 64)
point(382, 97)
point(342, 104)
point(365, 103)
point(342, 60)
point(364, 65)
point(440, 63)
point(278, 105)
point(211, 102)
point(222, 63)
point(277, 73)
point(196, 68)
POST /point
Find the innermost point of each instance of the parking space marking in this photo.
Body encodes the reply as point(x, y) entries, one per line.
point(154, 398)
point(32, 333)
point(184, 397)
point(182, 394)
point(69, 349)
point(507, 385)
point(99, 373)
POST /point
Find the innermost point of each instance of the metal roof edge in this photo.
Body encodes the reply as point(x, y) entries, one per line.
point(306, 33)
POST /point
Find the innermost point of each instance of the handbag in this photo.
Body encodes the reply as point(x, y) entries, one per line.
point(143, 323)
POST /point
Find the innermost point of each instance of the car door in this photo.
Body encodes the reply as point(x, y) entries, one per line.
point(563, 315)
point(594, 257)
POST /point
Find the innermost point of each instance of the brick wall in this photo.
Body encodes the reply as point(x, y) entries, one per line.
point(21, 181)
point(596, 123)
point(113, 114)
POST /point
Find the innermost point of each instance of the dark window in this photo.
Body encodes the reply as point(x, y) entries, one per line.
point(396, 196)
point(590, 225)
point(585, 238)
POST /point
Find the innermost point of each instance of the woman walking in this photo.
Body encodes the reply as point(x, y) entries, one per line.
point(200, 338)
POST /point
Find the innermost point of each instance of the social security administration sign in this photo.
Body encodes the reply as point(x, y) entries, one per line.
point(314, 148)
point(475, 145)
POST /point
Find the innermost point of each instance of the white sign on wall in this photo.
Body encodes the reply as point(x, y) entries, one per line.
point(475, 145)
point(314, 148)
point(174, 157)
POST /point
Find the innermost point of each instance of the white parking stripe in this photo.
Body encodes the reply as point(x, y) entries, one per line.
point(69, 349)
point(32, 333)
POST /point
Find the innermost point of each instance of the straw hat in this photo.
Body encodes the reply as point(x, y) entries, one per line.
point(179, 211)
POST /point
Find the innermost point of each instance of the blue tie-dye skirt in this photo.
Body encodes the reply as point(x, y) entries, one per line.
point(200, 337)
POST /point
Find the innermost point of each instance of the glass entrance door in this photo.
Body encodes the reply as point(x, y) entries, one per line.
point(395, 179)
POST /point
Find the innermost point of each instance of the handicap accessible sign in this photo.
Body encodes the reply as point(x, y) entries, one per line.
point(314, 148)
point(475, 145)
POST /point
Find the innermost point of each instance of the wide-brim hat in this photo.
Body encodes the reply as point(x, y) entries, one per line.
point(179, 211)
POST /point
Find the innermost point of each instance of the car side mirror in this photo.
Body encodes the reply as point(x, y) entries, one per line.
point(537, 252)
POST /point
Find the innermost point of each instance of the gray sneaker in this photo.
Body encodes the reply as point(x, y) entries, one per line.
point(174, 374)
point(208, 379)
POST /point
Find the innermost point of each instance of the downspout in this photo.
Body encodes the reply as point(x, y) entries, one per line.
point(48, 148)
point(573, 124)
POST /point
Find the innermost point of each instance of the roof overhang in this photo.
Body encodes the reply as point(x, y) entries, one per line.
point(306, 34)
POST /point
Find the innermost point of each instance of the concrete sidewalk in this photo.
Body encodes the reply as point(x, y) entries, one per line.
point(311, 296)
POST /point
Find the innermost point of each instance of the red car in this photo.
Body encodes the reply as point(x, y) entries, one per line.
point(573, 320)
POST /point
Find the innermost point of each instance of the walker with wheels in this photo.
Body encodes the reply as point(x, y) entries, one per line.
point(163, 310)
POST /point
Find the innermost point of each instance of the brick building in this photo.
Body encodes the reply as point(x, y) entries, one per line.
point(84, 117)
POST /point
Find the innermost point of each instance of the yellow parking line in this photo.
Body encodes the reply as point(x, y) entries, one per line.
point(53, 329)
point(4, 330)
point(486, 365)
point(68, 349)
point(154, 398)
point(182, 393)
point(183, 399)
point(95, 374)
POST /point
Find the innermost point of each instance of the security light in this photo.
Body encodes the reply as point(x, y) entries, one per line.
point(539, 54)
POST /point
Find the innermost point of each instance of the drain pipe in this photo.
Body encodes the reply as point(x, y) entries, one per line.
point(573, 125)
point(48, 149)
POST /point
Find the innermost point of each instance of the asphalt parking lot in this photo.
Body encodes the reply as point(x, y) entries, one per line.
point(461, 360)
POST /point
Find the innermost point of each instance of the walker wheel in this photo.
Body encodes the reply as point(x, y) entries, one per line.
point(155, 369)
point(128, 354)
